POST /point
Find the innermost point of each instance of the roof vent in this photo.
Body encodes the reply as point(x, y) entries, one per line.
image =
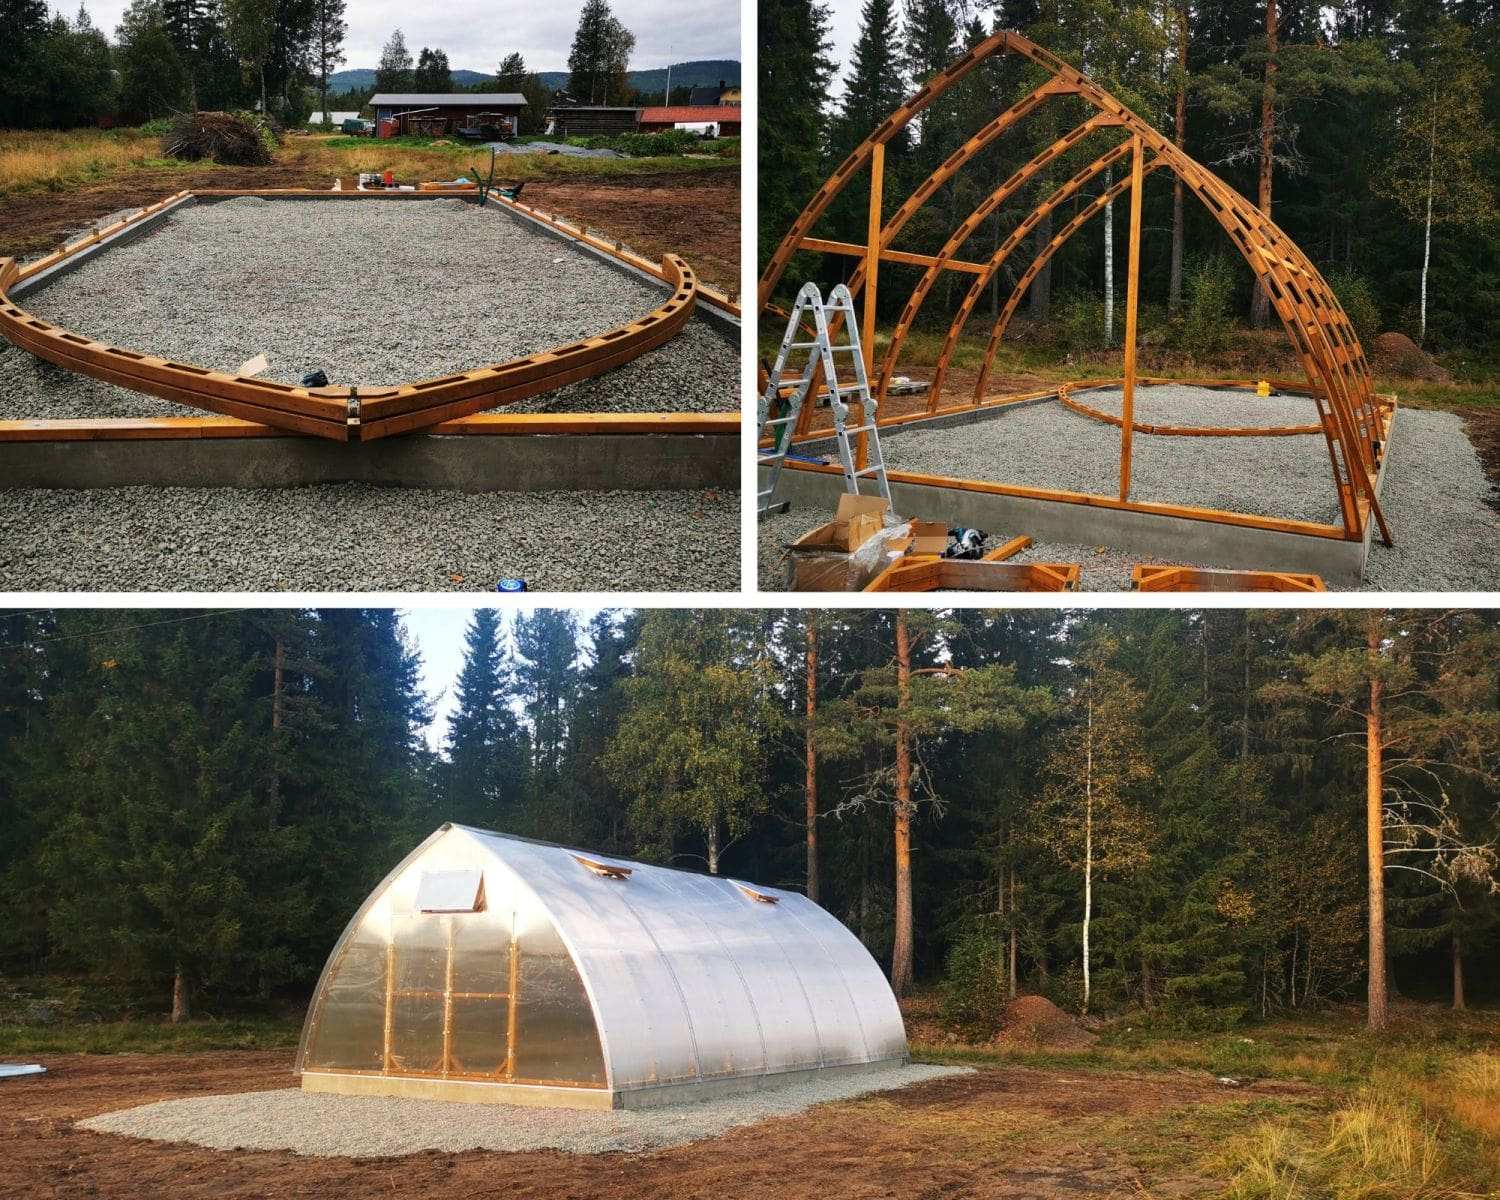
point(451, 891)
point(605, 870)
point(758, 897)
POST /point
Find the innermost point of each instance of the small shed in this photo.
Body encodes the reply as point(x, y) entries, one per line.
point(724, 120)
point(493, 968)
point(590, 120)
point(442, 113)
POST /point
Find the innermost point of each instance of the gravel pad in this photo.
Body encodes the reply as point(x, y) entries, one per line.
point(562, 148)
point(1436, 497)
point(374, 293)
point(355, 537)
point(368, 1126)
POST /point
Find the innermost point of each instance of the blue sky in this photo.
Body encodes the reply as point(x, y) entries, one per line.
point(477, 35)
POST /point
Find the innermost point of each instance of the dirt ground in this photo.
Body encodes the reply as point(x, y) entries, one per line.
point(1001, 1132)
point(696, 215)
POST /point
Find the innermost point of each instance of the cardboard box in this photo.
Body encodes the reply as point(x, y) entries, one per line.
point(928, 537)
point(824, 559)
point(858, 519)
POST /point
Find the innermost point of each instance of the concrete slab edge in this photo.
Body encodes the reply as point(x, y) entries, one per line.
point(119, 238)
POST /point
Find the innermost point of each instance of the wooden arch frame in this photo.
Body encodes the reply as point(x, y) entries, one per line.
point(1350, 415)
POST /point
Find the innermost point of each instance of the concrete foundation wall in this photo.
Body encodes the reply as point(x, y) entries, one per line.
point(533, 463)
point(1170, 538)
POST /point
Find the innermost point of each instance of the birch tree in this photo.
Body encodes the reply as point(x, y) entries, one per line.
point(1096, 774)
point(1436, 174)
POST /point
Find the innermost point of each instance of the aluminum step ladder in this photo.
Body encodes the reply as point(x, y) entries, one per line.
point(820, 352)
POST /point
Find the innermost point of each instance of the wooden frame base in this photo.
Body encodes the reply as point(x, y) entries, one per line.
point(251, 407)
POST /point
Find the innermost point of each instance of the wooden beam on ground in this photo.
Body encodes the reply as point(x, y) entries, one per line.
point(1009, 550)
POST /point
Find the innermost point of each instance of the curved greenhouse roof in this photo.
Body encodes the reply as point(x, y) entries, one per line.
point(491, 967)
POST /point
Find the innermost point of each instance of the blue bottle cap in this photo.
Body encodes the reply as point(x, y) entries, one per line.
point(511, 585)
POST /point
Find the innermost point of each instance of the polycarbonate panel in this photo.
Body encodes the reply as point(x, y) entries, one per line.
point(692, 979)
point(347, 1021)
point(556, 1039)
point(416, 1035)
point(479, 1034)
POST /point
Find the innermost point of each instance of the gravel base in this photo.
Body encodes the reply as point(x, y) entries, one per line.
point(1049, 446)
point(354, 537)
point(367, 1126)
point(374, 294)
point(1436, 495)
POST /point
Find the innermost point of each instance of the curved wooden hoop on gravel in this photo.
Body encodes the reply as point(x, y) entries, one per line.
point(1351, 417)
point(1085, 410)
point(339, 413)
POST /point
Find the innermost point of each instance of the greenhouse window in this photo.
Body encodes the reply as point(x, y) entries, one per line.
point(451, 892)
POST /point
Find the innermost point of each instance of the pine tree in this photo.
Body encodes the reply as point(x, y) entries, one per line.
point(329, 31)
point(432, 73)
point(795, 69)
point(485, 773)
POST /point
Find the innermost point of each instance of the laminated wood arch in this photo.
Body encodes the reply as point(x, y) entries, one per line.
point(1350, 416)
point(339, 413)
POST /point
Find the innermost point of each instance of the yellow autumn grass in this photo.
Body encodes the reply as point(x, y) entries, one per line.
point(1373, 1148)
point(1473, 1099)
point(44, 159)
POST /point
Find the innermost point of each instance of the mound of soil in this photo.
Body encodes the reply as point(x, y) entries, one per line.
point(1036, 1021)
point(1400, 355)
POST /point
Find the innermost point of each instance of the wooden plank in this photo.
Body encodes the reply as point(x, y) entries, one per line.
point(1009, 550)
point(1154, 578)
point(490, 424)
point(904, 257)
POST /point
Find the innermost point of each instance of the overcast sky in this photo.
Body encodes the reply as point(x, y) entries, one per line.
point(477, 35)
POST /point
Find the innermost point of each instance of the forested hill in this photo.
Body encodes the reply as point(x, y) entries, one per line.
point(700, 73)
point(271, 766)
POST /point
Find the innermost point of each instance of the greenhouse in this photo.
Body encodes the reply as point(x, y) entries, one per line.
point(493, 968)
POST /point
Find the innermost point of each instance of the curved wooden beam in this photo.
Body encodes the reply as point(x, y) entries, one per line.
point(1097, 414)
point(966, 230)
point(1065, 191)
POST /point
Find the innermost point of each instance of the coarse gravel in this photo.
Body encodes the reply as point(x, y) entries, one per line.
point(1436, 496)
point(372, 293)
point(1048, 446)
point(368, 1126)
point(356, 537)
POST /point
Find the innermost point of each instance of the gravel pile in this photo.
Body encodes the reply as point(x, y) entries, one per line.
point(367, 1126)
point(354, 537)
point(373, 293)
point(1436, 497)
point(551, 148)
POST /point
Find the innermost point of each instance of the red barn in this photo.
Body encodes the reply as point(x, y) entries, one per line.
point(726, 118)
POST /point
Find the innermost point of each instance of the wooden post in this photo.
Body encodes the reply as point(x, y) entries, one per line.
point(872, 273)
point(1132, 303)
point(447, 1066)
point(387, 1063)
point(510, 1016)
